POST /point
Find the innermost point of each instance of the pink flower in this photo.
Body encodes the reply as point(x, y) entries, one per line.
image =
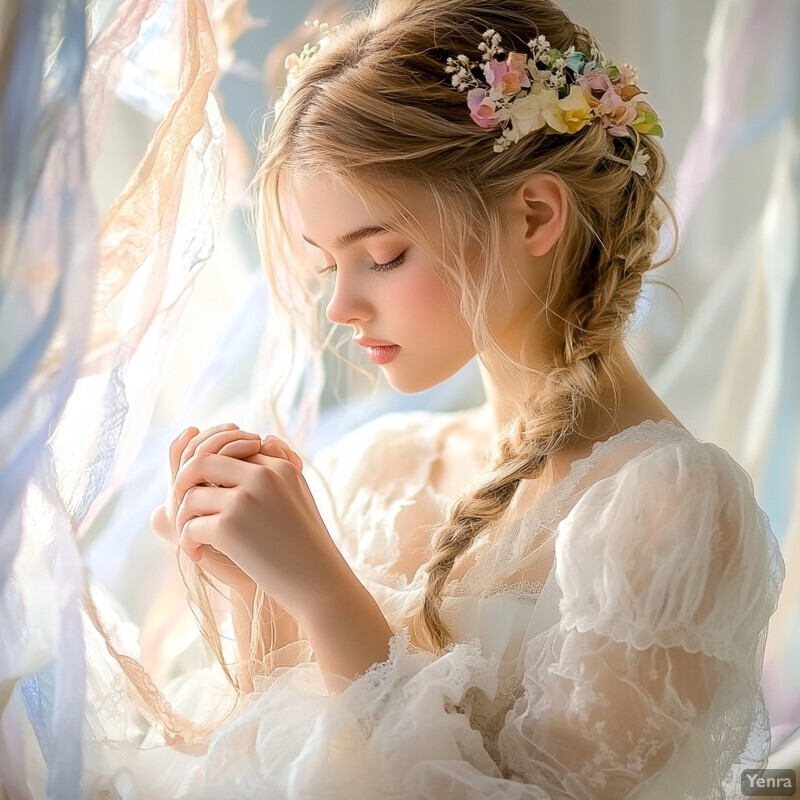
point(615, 113)
point(482, 108)
point(509, 76)
point(596, 81)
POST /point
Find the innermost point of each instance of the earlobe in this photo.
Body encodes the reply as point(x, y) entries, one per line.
point(544, 203)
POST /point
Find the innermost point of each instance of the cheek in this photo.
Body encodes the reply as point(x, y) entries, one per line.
point(427, 300)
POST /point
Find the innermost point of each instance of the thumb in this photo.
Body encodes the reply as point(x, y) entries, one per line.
point(160, 524)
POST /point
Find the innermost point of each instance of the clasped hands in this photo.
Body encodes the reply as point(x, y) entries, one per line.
point(240, 507)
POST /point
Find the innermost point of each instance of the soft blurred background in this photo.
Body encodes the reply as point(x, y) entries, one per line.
point(133, 304)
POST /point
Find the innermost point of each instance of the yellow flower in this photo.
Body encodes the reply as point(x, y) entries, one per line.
point(576, 109)
point(567, 115)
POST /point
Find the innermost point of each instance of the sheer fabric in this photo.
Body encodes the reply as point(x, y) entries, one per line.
point(87, 308)
point(627, 668)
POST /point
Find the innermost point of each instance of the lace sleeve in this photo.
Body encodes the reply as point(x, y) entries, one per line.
point(649, 686)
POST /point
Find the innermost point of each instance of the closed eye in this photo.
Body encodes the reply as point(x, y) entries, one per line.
point(395, 262)
point(389, 265)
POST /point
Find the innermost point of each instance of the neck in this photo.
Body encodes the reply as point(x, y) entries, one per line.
point(505, 393)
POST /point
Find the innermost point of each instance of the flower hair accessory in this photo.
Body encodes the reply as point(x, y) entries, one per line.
point(294, 63)
point(555, 91)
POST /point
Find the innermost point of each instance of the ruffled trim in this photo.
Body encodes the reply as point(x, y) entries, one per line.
point(408, 666)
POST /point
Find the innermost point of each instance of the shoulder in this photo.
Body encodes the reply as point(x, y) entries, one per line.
point(674, 547)
point(666, 496)
point(677, 477)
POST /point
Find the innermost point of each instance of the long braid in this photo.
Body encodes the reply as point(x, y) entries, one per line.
point(522, 454)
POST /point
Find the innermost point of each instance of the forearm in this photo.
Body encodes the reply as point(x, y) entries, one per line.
point(348, 636)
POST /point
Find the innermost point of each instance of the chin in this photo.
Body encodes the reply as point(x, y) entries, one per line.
point(413, 384)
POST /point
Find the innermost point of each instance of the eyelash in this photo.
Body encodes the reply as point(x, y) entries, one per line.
point(388, 266)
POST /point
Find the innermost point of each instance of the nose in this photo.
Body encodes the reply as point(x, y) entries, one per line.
point(348, 304)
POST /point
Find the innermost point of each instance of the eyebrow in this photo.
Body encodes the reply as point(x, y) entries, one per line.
point(341, 242)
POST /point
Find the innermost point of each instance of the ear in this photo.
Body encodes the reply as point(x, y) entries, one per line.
point(542, 201)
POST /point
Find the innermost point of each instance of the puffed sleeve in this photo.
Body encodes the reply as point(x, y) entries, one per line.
point(649, 686)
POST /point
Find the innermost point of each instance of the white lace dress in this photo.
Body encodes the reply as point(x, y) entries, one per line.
point(610, 637)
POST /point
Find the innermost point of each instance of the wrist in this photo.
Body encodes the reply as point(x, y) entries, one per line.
point(348, 634)
point(332, 595)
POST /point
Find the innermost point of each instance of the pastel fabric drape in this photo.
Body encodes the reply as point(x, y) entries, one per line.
point(88, 303)
point(736, 376)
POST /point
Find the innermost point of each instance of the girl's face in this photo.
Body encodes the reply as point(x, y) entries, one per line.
point(384, 286)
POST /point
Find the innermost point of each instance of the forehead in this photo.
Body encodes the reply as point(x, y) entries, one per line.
point(326, 208)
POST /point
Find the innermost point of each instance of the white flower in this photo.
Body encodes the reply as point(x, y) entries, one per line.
point(504, 141)
point(639, 162)
point(526, 115)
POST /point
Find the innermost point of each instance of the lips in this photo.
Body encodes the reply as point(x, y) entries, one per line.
point(383, 354)
point(364, 342)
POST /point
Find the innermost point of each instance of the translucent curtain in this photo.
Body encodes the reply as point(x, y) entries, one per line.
point(735, 378)
point(87, 308)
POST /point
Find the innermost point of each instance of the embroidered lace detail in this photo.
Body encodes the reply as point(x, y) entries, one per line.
point(521, 589)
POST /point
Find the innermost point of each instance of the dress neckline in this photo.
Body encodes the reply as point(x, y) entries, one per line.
point(578, 467)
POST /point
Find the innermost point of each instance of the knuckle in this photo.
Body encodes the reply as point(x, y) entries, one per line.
point(285, 469)
point(241, 495)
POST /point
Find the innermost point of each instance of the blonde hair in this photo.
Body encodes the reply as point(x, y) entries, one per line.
point(374, 108)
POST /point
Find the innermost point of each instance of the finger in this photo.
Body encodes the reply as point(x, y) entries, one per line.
point(215, 442)
point(274, 446)
point(281, 467)
point(241, 448)
point(176, 448)
point(199, 501)
point(190, 449)
point(197, 534)
point(210, 468)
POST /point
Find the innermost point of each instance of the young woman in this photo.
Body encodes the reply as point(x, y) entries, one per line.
point(560, 594)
